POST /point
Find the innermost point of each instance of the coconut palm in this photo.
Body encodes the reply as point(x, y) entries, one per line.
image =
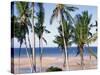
point(62, 11)
point(92, 39)
point(20, 34)
point(16, 32)
point(68, 30)
point(23, 8)
point(40, 29)
point(81, 32)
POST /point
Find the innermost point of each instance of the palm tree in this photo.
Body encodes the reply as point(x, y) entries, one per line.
point(40, 29)
point(20, 34)
point(23, 8)
point(63, 12)
point(16, 33)
point(81, 32)
point(68, 30)
point(91, 39)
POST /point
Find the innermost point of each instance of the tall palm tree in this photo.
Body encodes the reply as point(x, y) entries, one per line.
point(63, 12)
point(40, 29)
point(23, 8)
point(81, 32)
point(20, 34)
point(68, 30)
point(16, 33)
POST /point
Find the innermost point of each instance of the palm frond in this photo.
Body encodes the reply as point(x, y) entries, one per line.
point(92, 53)
point(44, 40)
point(71, 8)
point(47, 31)
point(54, 15)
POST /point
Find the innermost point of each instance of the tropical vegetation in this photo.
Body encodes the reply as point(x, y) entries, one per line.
point(30, 19)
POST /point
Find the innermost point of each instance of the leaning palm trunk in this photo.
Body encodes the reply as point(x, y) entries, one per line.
point(68, 59)
point(65, 48)
point(89, 54)
point(41, 51)
point(41, 54)
point(33, 48)
point(28, 55)
point(19, 56)
point(30, 48)
point(29, 43)
point(82, 59)
point(64, 64)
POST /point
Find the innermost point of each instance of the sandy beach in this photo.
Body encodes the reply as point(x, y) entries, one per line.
point(74, 62)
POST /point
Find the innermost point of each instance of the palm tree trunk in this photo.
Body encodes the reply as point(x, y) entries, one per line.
point(68, 59)
point(64, 64)
point(19, 56)
point(30, 48)
point(65, 47)
point(41, 52)
point(33, 51)
point(29, 43)
point(65, 50)
point(82, 59)
point(28, 55)
point(89, 54)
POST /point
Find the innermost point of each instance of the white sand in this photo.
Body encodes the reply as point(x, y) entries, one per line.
point(74, 62)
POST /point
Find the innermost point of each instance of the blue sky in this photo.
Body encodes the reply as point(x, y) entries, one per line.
point(53, 28)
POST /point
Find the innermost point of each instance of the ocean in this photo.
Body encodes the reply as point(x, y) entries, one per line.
point(50, 51)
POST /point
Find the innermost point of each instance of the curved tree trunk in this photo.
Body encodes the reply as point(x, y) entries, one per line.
point(68, 59)
point(41, 52)
point(19, 56)
point(33, 48)
point(64, 64)
point(28, 55)
point(65, 48)
point(89, 55)
point(82, 59)
point(31, 56)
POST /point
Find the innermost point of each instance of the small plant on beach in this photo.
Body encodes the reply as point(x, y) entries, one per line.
point(51, 69)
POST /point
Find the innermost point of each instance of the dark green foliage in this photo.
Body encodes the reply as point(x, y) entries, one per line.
point(51, 69)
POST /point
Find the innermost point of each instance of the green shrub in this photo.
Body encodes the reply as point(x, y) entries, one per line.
point(53, 69)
